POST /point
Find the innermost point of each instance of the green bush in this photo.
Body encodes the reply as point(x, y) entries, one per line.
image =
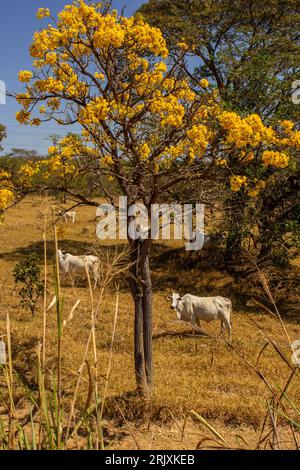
point(27, 272)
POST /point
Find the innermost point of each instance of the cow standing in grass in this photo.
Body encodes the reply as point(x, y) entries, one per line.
point(68, 217)
point(86, 264)
point(191, 308)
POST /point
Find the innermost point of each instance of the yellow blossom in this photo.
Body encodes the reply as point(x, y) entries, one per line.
point(52, 150)
point(99, 75)
point(107, 160)
point(94, 112)
point(237, 182)
point(287, 126)
point(245, 131)
point(204, 83)
point(257, 188)
point(277, 159)
point(182, 45)
point(51, 58)
point(43, 13)
point(221, 162)
point(144, 151)
point(25, 76)
point(199, 135)
point(35, 122)
point(23, 116)
point(6, 198)
point(160, 67)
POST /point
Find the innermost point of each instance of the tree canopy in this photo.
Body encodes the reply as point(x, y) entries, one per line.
point(249, 49)
point(143, 124)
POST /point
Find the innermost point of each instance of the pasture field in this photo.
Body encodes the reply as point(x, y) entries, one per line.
point(192, 372)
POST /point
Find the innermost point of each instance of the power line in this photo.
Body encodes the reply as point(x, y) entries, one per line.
point(37, 130)
point(23, 144)
point(36, 134)
point(16, 126)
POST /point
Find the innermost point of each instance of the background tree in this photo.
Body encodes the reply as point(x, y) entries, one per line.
point(2, 134)
point(143, 125)
point(250, 51)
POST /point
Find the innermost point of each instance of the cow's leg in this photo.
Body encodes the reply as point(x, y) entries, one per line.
point(222, 326)
point(198, 322)
point(95, 279)
point(72, 279)
point(228, 328)
point(194, 323)
point(96, 276)
point(62, 277)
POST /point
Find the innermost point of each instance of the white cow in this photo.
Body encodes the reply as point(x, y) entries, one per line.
point(68, 216)
point(143, 231)
point(70, 264)
point(191, 308)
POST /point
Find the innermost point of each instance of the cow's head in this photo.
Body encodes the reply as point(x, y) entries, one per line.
point(174, 298)
point(61, 254)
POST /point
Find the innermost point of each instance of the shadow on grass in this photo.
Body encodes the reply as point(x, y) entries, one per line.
point(75, 247)
point(198, 272)
point(181, 334)
point(132, 407)
point(188, 272)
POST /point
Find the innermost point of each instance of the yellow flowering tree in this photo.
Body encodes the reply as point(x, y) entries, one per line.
point(142, 124)
point(6, 189)
point(264, 162)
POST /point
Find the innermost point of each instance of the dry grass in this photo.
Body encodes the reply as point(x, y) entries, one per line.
point(191, 372)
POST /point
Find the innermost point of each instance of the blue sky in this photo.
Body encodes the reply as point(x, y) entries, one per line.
point(18, 23)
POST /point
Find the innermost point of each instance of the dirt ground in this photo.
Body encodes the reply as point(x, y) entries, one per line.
point(192, 372)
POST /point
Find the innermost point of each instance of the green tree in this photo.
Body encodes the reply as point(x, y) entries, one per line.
point(250, 50)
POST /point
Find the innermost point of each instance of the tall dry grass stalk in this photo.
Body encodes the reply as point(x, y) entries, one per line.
point(112, 265)
point(45, 291)
point(52, 422)
point(280, 409)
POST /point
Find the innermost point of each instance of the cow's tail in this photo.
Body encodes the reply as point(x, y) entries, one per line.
point(230, 308)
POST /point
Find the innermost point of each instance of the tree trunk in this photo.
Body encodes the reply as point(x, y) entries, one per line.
point(235, 231)
point(141, 291)
point(147, 311)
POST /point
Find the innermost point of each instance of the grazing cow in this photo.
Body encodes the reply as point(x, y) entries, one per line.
point(143, 231)
point(70, 264)
point(68, 216)
point(190, 308)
